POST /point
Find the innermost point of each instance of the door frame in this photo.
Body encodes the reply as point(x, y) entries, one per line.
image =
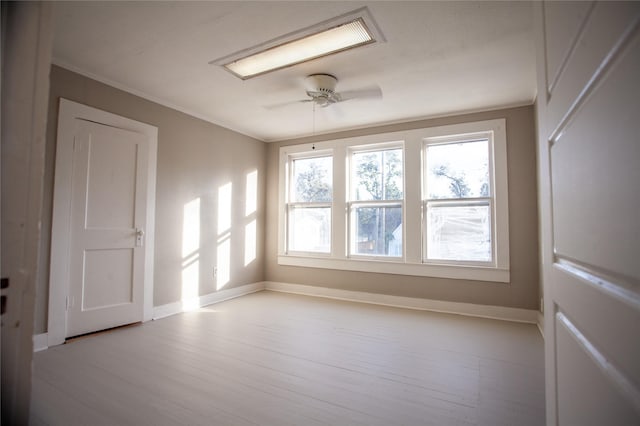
point(69, 111)
point(27, 40)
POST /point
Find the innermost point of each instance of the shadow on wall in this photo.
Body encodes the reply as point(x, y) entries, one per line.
point(191, 239)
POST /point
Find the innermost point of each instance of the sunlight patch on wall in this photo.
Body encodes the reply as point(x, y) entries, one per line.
point(250, 242)
point(224, 208)
point(191, 255)
point(191, 228)
point(251, 193)
point(251, 205)
point(224, 236)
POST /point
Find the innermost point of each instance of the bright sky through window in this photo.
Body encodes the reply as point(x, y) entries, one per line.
point(458, 170)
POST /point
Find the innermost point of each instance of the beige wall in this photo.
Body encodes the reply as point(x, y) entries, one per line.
point(195, 158)
point(523, 290)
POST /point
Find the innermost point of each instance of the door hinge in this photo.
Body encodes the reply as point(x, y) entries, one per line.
point(66, 301)
point(4, 283)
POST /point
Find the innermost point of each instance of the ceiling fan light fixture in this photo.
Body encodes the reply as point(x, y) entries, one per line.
point(346, 32)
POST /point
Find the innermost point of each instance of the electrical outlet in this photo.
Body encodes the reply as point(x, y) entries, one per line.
point(215, 272)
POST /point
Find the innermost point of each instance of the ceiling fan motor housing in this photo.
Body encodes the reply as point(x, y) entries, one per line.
point(321, 88)
point(321, 83)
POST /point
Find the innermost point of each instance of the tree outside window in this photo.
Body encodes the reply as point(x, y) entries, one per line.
point(376, 205)
point(309, 209)
point(458, 205)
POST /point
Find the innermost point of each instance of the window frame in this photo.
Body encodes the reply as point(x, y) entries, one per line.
point(351, 201)
point(413, 249)
point(460, 202)
point(291, 205)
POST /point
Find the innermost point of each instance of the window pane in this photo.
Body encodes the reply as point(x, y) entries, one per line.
point(458, 170)
point(377, 175)
point(312, 179)
point(310, 229)
point(378, 231)
point(459, 233)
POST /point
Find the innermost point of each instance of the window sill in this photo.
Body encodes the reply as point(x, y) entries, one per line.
point(473, 273)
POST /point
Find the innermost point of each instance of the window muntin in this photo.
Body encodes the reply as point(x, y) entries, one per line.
point(459, 209)
point(309, 209)
point(376, 202)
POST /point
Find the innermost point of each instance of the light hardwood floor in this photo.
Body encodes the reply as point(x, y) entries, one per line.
point(279, 359)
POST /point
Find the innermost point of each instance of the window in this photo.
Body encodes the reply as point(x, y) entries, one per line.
point(434, 202)
point(458, 203)
point(309, 206)
point(376, 202)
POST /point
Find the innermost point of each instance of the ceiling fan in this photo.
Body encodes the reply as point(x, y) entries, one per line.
point(321, 89)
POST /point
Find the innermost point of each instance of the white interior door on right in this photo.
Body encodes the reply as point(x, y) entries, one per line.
point(588, 108)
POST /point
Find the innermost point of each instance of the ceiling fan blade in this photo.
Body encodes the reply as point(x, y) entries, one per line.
point(335, 112)
point(285, 104)
point(366, 93)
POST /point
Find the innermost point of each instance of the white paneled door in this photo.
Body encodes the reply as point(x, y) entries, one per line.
point(107, 228)
point(103, 218)
point(589, 155)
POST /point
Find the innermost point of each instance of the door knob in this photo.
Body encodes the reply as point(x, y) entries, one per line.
point(139, 236)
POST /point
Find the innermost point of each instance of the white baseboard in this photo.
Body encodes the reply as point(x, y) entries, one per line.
point(40, 342)
point(540, 323)
point(208, 299)
point(167, 310)
point(468, 309)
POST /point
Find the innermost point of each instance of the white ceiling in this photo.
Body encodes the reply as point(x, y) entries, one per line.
point(440, 58)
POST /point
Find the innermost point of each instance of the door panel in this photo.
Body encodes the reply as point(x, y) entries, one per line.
point(108, 210)
point(108, 280)
point(599, 40)
point(603, 311)
point(563, 22)
point(589, 197)
point(591, 163)
point(105, 178)
point(598, 402)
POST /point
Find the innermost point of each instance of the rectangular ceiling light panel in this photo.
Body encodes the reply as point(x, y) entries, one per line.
point(301, 47)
